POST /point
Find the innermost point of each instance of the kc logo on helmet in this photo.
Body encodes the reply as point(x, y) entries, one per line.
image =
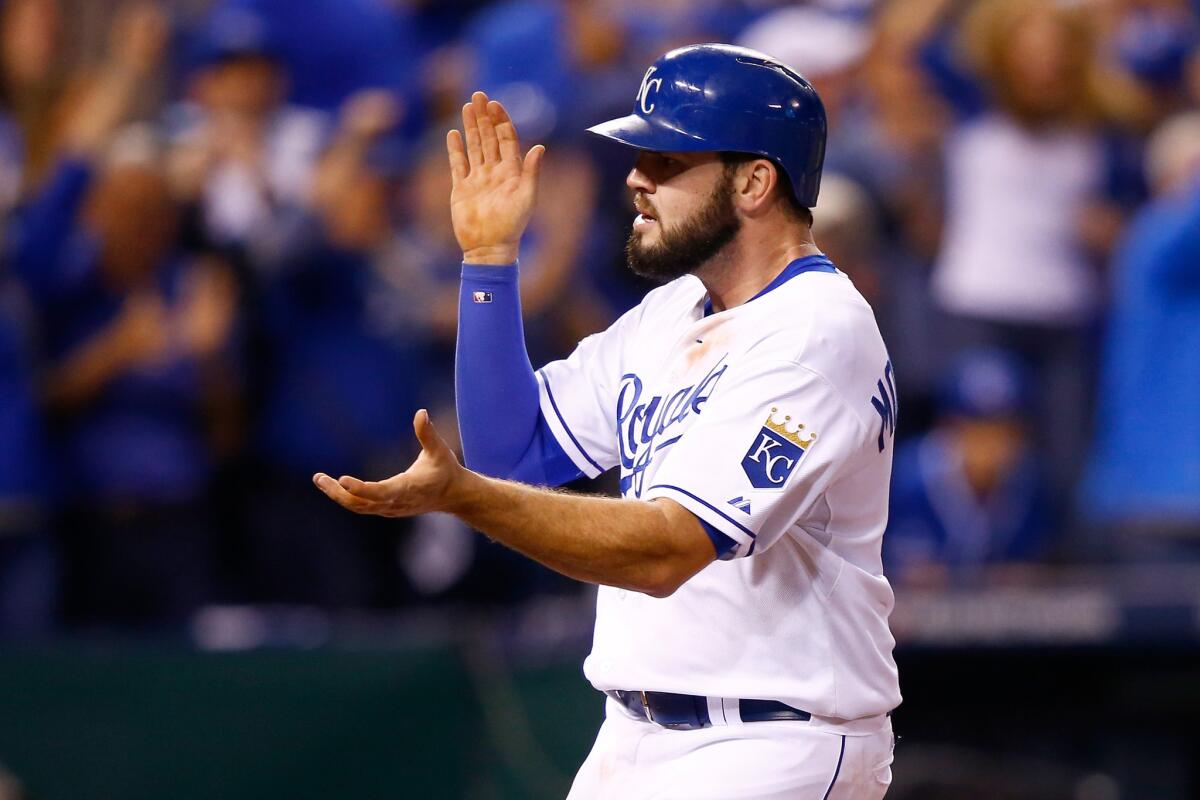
point(776, 451)
point(649, 84)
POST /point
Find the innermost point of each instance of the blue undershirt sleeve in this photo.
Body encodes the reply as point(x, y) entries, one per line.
point(721, 543)
point(499, 414)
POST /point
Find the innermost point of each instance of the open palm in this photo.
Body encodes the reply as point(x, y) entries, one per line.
point(428, 485)
point(493, 186)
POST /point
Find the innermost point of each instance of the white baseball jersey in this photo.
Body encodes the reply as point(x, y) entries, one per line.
point(772, 422)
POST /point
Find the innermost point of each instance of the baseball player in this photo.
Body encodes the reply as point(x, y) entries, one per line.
point(741, 622)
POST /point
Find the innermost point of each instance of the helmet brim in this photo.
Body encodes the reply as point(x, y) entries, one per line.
point(635, 131)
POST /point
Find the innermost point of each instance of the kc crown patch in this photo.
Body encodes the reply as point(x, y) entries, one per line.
point(775, 452)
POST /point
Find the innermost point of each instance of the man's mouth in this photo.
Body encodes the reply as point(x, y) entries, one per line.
point(645, 217)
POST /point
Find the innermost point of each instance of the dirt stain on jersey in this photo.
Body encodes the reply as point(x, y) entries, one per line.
point(705, 337)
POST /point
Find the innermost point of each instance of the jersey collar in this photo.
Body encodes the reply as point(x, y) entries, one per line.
point(817, 263)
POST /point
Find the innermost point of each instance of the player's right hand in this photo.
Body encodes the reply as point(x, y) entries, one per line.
point(434, 482)
point(493, 186)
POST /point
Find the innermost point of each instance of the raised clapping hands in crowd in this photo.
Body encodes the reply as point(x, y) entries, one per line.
point(365, 117)
point(493, 192)
point(136, 45)
point(369, 114)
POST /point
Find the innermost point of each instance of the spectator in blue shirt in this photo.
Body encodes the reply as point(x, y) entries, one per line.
point(970, 493)
point(1144, 473)
point(247, 155)
point(135, 339)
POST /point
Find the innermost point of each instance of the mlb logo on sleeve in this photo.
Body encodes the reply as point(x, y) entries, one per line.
point(481, 297)
point(775, 452)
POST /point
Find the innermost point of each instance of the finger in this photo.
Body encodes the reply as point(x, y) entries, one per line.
point(487, 131)
point(367, 490)
point(458, 156)
point(335, 492)
point(506, 132)
point(471, 131)
point(351, 484)
point(532, 167)
point(431, 441)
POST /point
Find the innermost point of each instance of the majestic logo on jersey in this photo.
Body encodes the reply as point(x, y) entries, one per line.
point(742, 504)
point(886, 405)
point(649, 84)
point(776, 451)
point(642, 423)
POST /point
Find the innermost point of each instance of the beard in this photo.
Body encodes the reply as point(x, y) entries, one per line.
point(690, 245)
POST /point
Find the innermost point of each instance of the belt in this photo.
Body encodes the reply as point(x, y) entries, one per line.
point(687, 712)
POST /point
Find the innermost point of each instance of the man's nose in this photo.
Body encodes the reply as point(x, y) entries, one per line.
point(638, 179)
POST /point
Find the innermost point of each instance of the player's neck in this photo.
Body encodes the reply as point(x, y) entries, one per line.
point(749, 263)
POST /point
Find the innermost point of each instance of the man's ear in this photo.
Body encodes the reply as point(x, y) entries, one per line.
point(755, 185)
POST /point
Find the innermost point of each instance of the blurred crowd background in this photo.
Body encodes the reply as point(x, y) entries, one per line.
point(226, 263)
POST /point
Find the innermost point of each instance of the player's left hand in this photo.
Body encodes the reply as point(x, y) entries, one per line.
point(430, 484)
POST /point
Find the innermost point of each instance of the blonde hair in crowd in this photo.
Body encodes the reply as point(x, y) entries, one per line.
point(1039, 59)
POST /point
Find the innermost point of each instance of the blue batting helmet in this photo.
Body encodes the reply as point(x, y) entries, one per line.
point(717, 97)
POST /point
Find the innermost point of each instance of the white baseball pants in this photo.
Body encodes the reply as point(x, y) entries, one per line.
point(633, 759)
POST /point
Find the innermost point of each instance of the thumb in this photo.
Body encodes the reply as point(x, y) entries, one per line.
point(533, 165)
point(431, 441)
